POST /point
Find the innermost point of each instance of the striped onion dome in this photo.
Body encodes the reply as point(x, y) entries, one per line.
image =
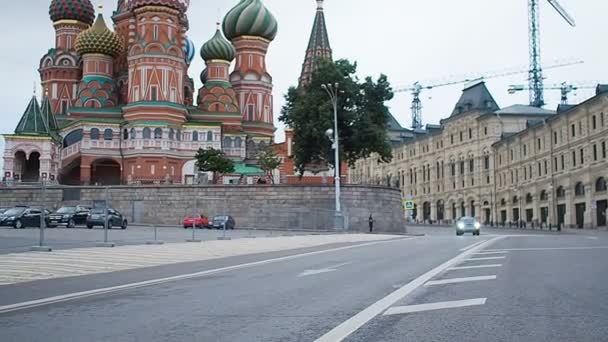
point(99, 39)
point(218, 48)
point(180, 5)
point(81, 10)
point(189, 50)
point(204, 76)
point(250, 18)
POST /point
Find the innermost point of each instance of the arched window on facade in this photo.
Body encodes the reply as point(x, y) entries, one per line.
point(209, 136)
point(178, 135)
point(600, 184)
point(94, 133)
point(147, 133)
point(237, 142)
point(133, 134)
point(503, 202)
point(529, 198)
point(158, 133)
point(515, 200)
point(579, 189)
point(194, 136)
point(171, 134)
point(561, 192)
point(543, 195)
point(72, 138)
point(125, 134)
point(227, 142)
point(108, 134)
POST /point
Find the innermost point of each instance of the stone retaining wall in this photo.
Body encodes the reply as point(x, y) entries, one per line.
point(275, 207)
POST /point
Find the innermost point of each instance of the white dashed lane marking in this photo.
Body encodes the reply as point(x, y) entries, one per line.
point(458, 280)
point(473, 267)
point(491, 253)
point(397, 310)
point(486, 258)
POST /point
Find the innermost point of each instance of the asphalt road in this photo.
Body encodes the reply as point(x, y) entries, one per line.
point(548, 287)
point(21, 240)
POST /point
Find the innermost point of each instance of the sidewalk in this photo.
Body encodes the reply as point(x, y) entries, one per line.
point(31, 266)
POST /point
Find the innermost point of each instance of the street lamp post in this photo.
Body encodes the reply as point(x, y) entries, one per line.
point(332, 91)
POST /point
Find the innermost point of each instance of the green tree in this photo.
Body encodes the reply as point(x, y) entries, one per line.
point(212, 160)
point(268, 161)
point(362, 116)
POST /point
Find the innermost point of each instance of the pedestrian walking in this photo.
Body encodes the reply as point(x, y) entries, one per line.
point(371, 223)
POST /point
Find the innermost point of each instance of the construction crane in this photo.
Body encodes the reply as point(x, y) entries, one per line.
point(536, 71)
point(418, 87)
point(565, 88)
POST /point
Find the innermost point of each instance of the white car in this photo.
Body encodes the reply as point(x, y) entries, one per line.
point(467, 225)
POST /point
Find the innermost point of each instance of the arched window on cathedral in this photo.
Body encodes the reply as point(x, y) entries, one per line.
point(158, 133)
point(209, 136)
point(133, 134)
point(194, 136)
point(147, 133)
point(227, 142)
point(94, 133)
point(108, 134)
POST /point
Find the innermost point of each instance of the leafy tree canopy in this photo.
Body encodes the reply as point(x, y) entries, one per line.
point(268, 160)
point(212, 160)
point(362, 116)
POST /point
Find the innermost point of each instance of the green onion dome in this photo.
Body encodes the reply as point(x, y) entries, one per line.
point(250, 18)
point(81, 10)
point(218, 48)
point(204, 76)
point(99, 39)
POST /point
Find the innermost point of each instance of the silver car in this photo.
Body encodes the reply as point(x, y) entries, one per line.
point(467, 225)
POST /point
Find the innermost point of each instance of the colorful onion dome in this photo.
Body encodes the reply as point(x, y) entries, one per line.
point(218, 48)
point(189, 50)
point(250, 18)
point(81, 10)
point(99, 39)
point(180, 5)
point(204, 76)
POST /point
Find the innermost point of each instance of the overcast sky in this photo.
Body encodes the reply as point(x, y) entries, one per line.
point(408, 40)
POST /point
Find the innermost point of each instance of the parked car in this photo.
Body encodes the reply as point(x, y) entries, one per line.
point(69, 216)
point(22, 217)
point(467, 225)
point(201, 221)
point(219, 221)
point(97, 217)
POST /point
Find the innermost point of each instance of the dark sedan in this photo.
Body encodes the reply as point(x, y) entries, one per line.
point(22, 217)
point(69, 216)
point(97, 217)
point(219, 221)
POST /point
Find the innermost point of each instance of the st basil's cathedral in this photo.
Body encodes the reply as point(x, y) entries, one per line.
point(118, 106)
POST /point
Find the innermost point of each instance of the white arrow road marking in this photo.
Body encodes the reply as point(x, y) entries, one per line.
point(322, 270)
point(434, 306)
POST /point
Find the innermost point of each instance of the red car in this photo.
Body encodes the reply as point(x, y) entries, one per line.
point(201, 221)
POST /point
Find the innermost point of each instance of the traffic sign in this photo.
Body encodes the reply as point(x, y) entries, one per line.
point(408, 205)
